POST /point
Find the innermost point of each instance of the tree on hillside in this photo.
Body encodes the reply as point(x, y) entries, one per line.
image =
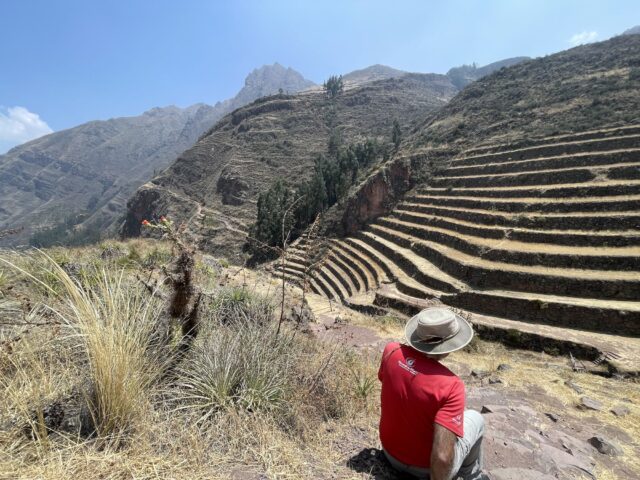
point(333, 86)
point(396, 134)
point(292, 208)
point(272, 206)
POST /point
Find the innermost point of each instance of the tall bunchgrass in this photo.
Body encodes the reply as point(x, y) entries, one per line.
point(239, 362)
point(113, 322)
point(116, 321)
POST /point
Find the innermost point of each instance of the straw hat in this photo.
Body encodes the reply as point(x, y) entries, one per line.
point(438, 330)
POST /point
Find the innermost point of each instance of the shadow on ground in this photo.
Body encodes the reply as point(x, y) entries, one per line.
point(372, 461)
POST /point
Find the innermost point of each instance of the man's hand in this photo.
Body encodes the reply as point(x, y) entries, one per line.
point(442, 453)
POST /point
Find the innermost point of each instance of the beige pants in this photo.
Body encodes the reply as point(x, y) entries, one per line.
point(467, 461)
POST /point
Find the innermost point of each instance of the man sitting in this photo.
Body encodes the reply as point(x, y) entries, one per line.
point(424, 428)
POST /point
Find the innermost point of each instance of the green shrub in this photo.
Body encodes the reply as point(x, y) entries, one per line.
point(243, 366)
point(157, 257)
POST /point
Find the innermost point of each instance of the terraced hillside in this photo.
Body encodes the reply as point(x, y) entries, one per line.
point(542, 234)
point(213, 187)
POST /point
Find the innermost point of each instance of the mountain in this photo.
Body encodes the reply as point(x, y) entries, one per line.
point(465, 74)
point(632, 31)
point(585, 87)
point(371, 74)
point(268, 80)
point(84, 175)
point(214, 185)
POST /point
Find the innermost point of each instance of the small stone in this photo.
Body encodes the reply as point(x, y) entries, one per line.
point(620, 411)
point(479, 373)
point(587, 403)
point(574, 387)
point(604, 446)
point(504, 367)
point(553, 417)
point(494, 380)
point(495, 409)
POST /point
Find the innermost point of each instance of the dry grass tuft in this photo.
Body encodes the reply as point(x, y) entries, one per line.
point(113, 322)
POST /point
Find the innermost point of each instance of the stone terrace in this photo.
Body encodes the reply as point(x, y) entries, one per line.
point(538, 238)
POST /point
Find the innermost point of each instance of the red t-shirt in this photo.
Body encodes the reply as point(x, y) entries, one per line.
point(416, 392)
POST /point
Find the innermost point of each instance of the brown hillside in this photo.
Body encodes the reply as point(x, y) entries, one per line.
point(584, 88)
point(215, 184)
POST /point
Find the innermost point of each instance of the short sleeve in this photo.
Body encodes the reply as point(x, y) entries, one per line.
point(451, 413)
point(385, 355)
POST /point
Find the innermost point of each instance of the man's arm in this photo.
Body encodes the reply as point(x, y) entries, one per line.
point(442, 453)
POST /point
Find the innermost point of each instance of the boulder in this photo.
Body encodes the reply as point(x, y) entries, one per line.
point(587, 403)
point(620, 411)
point(574, 387)
point(605, 446)
point(553, 417)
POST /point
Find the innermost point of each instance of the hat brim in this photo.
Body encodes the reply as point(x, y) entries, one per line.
point(460, 340)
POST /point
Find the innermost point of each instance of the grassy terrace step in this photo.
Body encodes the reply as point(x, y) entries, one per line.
point(377, 270)
point(631, 172)
point(366, 279)
point(290, 274)
point(589, 189)
point(562, 312)
point(543, 205)
point(620, 171)
point(565, 308)
point(566, 221)
point(484, 274)
point(404, 282)
point(345, 269)
point(623, 318)
point(509, 251)
point(326, 289)
point(315, 288)
point(341, 275)
point(292, 264)
point(412, 265)
point(295, 257)
point(577, 238)
point(551, 150)
point(587, 159)
point(556, 139)
point(325, 274)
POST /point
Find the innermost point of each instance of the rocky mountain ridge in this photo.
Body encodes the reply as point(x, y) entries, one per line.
point(88, 172)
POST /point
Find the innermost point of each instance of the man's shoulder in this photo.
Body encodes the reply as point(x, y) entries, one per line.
point(435, 368)
point(391, 345)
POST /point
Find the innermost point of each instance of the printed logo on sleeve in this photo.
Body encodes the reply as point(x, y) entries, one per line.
point(457, 420)
point(408, 366)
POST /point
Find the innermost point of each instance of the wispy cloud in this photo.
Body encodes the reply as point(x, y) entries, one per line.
point(19, 125)
point(583, 37)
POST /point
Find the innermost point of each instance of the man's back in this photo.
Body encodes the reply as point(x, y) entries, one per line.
point(416, 392)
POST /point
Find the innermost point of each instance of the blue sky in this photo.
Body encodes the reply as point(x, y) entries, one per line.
point(65, 62)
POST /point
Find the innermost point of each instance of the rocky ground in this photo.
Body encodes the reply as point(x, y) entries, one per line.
point(543, 420)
